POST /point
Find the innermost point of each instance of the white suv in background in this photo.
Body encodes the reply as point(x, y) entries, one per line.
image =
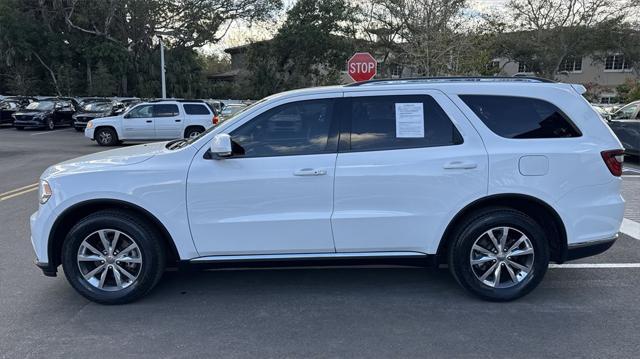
point(494, 176)
point(157, 120)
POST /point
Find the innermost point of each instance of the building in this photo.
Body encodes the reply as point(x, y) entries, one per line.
point(601, 77)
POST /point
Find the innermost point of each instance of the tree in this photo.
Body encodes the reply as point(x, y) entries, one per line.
point(427, 35)
point(308, 50)
point(543, 33)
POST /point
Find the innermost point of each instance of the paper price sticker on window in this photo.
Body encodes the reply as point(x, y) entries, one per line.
point(409, 120)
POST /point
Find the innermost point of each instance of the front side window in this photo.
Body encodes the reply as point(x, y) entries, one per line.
point(396, 122)
point(520, 117)
point(298, 128)
point(165, 110)
point(143, 111)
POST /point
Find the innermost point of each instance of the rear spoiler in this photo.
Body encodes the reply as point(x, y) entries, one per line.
point(580, 89)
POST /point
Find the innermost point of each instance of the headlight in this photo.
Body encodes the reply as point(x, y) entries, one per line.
point(90, 124)
point(44, 191)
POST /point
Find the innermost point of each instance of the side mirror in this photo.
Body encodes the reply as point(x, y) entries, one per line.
point(221, 145)
point(126, 115)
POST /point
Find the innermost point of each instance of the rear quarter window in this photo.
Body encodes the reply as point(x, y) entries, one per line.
point(521, 117)
point(194, 109)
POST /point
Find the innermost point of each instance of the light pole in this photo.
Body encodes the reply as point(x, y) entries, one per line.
point(164, 86)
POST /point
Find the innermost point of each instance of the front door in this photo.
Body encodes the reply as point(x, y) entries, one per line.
point(275, 194)
point(407, 164)
point(138, 123)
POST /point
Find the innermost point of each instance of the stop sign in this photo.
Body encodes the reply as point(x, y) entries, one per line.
point(362, 66)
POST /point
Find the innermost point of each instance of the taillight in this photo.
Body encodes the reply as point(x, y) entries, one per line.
point(614, 159)
point(215, 120)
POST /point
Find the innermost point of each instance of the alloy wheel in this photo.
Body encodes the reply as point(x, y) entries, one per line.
point(194, 134)
point(105, 137)
point(109, 260)
point(502, 257)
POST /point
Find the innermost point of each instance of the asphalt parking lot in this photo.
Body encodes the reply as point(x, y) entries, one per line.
point(589, 308)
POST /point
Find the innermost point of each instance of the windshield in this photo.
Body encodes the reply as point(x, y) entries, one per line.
point(42, 106)
point(97, 107)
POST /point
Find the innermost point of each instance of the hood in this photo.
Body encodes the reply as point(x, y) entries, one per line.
point(97, 161)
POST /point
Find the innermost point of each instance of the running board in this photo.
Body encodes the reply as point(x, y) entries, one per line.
point(314, 259)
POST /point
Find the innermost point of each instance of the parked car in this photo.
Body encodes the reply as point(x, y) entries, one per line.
point(496, 177)
point(153, 121)
point(230, 110)
point(626, 124)
point(123, 104)
point(8, 106)
point(92, 110)
point(47, 113)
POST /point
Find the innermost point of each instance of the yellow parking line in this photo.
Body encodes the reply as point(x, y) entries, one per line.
point(17, 194)
point(18, 189)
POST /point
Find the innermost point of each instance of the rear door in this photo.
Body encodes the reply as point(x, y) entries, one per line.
point(197, 114)
point(407, 162)
point(168, 121)
point(138, 123)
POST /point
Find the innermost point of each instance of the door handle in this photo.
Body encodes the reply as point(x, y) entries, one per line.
point(178, 120)
point(309, 172)
point(149, 121)
point(460, 165)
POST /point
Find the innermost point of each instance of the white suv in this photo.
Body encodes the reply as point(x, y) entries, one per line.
point(157, 120)
point(495, 177)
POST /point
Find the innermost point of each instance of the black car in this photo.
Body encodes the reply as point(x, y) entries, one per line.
point(47, 113)
point(626, 124)
point(10, 105)
point(94, 109)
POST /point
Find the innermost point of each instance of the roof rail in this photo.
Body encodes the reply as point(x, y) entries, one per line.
point(453, 79)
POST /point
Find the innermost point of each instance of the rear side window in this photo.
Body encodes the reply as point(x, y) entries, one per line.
point(166, 110)
point(521, 117)
point(396, 122)
point(191, 109)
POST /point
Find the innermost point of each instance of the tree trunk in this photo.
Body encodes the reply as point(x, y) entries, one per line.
point(53, 75)
point(89, 80)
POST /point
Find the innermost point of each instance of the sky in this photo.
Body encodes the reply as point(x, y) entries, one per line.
point(240, 33)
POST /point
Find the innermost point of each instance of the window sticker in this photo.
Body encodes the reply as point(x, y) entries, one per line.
point(409, 120)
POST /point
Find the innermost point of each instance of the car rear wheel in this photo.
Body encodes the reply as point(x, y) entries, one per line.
point(192, 132)
point(499, 254)
point(50, 124)
point(106, 137)
point(113, 257)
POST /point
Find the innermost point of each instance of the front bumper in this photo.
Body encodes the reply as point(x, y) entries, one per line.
point(588, 249)
point(29, 123)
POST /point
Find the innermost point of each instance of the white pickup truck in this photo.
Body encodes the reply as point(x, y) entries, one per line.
point(157, 120)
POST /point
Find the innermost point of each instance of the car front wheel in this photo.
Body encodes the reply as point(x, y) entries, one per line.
point(499, 254)
point(106, 137)
point(50, 124)
point(113, 257)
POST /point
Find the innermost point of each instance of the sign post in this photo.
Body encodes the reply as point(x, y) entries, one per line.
point(362, 66)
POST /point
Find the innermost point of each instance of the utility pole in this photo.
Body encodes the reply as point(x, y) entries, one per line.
point(164, 86)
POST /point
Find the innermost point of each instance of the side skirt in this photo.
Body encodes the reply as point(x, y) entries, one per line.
point(413, 259)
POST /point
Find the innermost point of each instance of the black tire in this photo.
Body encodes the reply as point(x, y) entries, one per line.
point(106, 136)
point(475, 226)
point(19, 128)
point(50, 125)
point(79, 129)
point(193, 131)
point(144, 235)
